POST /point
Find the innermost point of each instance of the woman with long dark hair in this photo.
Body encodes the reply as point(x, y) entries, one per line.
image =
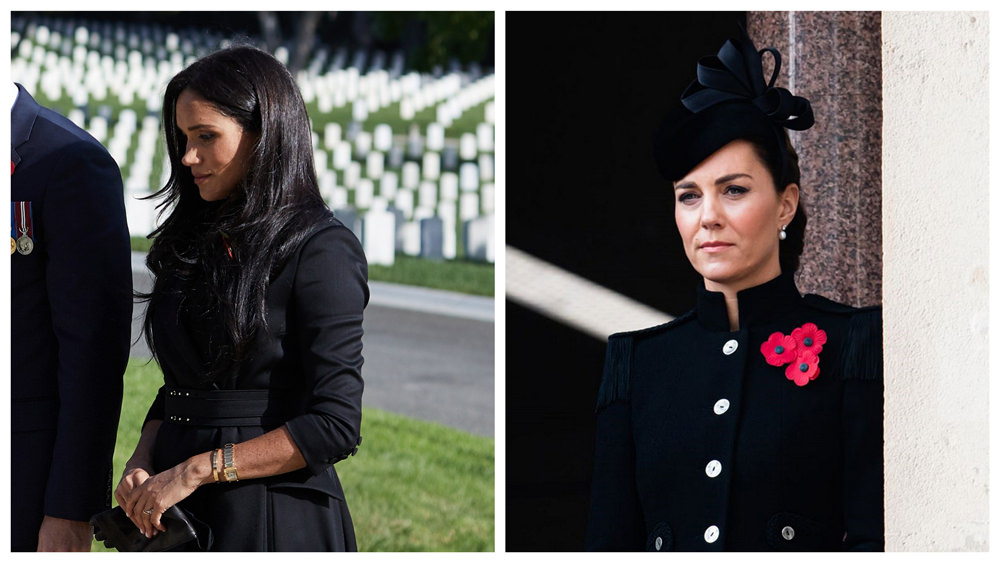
point(753, 422)
point(255, 318)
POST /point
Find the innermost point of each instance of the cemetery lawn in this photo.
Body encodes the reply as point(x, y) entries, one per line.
point(474, 278)
point(413, 486)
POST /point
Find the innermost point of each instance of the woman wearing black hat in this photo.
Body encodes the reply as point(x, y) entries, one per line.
point(753, 422)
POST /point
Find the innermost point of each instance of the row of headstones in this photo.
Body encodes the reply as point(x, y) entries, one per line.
point(410, 201)
point(381, 138)
point(60, 34)
point(155, 40)
point(141, 77)
point(384, 231)
point(433, 166)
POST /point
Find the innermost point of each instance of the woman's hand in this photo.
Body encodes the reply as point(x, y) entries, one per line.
point(146, 497)
point(132, 477)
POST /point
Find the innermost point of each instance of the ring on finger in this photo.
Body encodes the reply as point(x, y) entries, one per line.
point(148, 511)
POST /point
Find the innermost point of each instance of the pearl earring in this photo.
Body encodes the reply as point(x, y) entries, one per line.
point(783, 235)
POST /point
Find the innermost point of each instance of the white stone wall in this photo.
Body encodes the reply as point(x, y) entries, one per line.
point(935, 72)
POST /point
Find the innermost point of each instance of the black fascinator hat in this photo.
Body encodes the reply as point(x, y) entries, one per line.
point(729, 100)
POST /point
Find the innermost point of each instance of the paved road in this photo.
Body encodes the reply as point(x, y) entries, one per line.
point(428, 354)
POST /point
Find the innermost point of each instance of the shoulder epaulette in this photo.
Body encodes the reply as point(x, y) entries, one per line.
point(862, 352)
point(863, 345)
point(616, 380)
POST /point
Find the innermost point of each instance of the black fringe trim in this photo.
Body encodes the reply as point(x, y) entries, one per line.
point(863, 347)
point(615, 382)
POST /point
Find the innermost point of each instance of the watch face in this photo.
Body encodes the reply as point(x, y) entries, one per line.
point(230, 474)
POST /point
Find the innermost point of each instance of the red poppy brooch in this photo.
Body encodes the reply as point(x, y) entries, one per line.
point(800, 351)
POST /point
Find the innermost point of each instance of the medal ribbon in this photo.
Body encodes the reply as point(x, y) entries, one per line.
point(24, 224)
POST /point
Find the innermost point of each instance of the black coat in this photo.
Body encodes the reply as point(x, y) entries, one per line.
point(701, 444)
point(307, 366)
point(71, 307)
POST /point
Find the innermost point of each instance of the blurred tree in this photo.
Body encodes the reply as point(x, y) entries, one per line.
point(304, 23)
point(434, 38)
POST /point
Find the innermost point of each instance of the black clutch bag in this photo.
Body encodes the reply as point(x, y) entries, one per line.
point(118, 532)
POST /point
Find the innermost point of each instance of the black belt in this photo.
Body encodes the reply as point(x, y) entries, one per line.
point(197, 407)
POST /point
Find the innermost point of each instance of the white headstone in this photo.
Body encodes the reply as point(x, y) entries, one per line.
point(432, 165)
point(338, 197)
point(404, 202)
point(379, 237)
point(468, 206)
point(448, 215)
point(428, 194)
point(449, 186)
point(435, 137)
point(467, 146)
point(363, 143)
point(140, 214)
point(383, 137)
point(364, 194)
point(408, 238)
point(359, 110)
point(374, 165)
point(490, 113)
point(486, 167)
point(406, 110)
point(411, 174)
point(352, 175)
point(487, 199)
point(342, 155)
point(388, 184)
point(469, 177)
point(479, 239)
point(484, 137)
point(327, 182)
point(331, 136)
point(319, 156)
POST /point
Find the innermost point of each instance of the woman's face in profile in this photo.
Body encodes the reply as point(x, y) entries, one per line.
point(729, 215)
point(217, 148)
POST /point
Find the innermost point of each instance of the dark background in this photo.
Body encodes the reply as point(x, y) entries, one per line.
point(585, 93)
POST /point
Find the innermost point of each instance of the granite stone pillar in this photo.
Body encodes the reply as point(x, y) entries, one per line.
point(834, 60)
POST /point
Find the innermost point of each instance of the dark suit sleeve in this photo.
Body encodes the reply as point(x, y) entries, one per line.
point(89, 285)
point(863, 460)
point(157, 409)
point(615, 520)
point(328, 300)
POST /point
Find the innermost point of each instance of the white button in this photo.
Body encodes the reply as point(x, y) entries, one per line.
point(788, 533)
point(659, 543)
point(712, 534)
point(729, 347)
point(721, 406)
point(713, 468)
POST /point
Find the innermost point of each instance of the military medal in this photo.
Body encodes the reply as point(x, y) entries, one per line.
point(25, 244)
point(13, 231)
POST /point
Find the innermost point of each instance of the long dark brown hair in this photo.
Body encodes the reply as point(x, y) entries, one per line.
point(261, 222)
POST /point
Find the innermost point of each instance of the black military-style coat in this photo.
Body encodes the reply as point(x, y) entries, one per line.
point(307, 368)
point(702, 445)
point(71, 308)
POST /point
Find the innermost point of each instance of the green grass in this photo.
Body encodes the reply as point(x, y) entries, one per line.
point(413, 486)
point(474, 278)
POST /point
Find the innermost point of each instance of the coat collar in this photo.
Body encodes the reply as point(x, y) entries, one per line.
point(22, 119)
point(761, 304)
